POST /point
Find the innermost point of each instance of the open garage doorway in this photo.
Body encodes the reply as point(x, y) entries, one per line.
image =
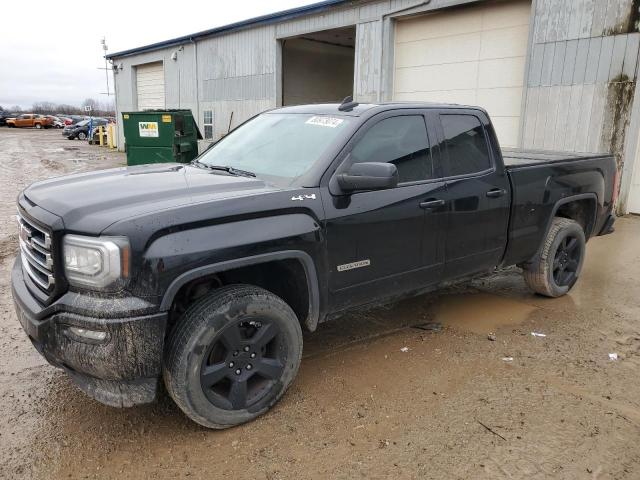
point(318, 67)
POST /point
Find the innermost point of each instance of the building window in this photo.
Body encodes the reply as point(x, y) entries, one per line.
point(208, 124)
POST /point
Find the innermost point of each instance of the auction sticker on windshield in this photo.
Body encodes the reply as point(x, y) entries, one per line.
point(331, 122)
point(148, 129)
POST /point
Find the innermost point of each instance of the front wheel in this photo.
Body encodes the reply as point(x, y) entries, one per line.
point(38, 126)
point(556, 270)
point(232, 356)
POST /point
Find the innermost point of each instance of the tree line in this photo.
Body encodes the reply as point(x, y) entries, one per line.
point(98, 108)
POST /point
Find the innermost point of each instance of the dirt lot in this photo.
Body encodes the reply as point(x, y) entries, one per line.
point(450, 405)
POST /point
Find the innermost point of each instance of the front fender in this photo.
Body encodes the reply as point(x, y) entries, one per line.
point(178, 257)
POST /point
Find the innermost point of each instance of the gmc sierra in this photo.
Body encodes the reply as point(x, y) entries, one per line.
point(203, 275)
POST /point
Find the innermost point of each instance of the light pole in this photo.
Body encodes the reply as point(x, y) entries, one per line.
point(106, 69)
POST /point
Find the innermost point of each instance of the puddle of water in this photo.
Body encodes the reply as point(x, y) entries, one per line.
point(480, 312)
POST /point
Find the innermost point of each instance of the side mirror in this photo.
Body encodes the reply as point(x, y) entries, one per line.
point(368, 176)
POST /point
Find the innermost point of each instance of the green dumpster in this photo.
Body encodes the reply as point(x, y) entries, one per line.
point(160, 136)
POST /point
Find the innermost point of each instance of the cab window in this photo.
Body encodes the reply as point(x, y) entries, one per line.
point(399, 140)
point(465, 143)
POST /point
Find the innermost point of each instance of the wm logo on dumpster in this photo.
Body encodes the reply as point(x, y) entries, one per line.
point(148, 129)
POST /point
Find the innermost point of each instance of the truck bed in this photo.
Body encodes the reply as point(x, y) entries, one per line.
point(516, 158)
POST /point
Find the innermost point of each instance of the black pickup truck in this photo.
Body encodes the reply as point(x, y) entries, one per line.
point(205, 274)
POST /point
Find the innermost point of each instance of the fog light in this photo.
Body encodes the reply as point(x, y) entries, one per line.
point(93, 335)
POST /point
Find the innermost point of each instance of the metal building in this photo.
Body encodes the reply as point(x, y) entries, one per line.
point(553, 74)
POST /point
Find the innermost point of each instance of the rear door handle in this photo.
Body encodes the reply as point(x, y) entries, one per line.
point(496, 192)
point(432, 204)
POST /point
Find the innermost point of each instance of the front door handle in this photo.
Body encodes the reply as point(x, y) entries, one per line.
point(496, 192)
point(432, 204)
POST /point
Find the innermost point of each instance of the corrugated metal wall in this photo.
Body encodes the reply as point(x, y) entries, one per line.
point(582, 75)
point(179, 76)
point(237, 74)
point(238, 71)
point(579, 89)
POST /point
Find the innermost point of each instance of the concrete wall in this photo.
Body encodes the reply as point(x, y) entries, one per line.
point(314, 72)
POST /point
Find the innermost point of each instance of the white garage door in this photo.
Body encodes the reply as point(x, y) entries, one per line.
point(150, 86)
point(473, 55)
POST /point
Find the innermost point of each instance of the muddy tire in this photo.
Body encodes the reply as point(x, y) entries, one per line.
point(557, 268)
point(232, 356)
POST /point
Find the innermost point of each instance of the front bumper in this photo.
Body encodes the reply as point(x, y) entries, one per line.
point(121, 370)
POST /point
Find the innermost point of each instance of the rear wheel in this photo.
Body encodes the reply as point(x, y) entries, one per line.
point(81, 136)
point(38, 126)
point(559, 264)
point(232, 355)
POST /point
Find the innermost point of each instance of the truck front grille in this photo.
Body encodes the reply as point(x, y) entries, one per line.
point(37, 259)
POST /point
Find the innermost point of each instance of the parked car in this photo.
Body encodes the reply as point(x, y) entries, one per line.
point(4, 115)
point(30, 120)
point(204, 274)
point(57, 122)
point(80, 130)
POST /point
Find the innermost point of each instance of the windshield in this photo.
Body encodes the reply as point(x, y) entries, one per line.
point(82, 123)
point(280, 146)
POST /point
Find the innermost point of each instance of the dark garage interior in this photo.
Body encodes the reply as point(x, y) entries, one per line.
point(318, 67)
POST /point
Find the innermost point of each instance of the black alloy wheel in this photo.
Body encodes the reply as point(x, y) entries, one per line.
point(232, 355)
point(567, 261)
point(557, 266)
point(243, 363)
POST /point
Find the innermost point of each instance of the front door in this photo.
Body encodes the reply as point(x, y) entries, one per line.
point(380, 243)
point(477, 194)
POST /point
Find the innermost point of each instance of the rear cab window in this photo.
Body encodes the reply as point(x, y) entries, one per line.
point(465, 143)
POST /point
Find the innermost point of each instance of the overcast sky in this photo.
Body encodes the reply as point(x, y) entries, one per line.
point(50, 51)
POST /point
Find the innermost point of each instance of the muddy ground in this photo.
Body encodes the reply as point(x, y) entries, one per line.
point(376, 397)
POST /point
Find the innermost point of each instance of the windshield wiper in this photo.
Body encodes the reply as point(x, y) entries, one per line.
point(230, 170)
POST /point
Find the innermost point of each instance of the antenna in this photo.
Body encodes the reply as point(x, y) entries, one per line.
point(348, 104)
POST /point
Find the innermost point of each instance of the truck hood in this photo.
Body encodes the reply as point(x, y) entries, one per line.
point(90, 202)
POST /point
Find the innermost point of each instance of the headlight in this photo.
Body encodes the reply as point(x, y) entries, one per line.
point(95, 262)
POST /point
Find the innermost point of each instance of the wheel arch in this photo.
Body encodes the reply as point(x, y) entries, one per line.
point(302, 258)
point(589, 214)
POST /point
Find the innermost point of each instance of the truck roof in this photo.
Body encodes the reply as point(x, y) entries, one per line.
point(365, 109)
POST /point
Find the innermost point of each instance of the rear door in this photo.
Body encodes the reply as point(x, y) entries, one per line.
point(379, 242)
point(477, 193)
